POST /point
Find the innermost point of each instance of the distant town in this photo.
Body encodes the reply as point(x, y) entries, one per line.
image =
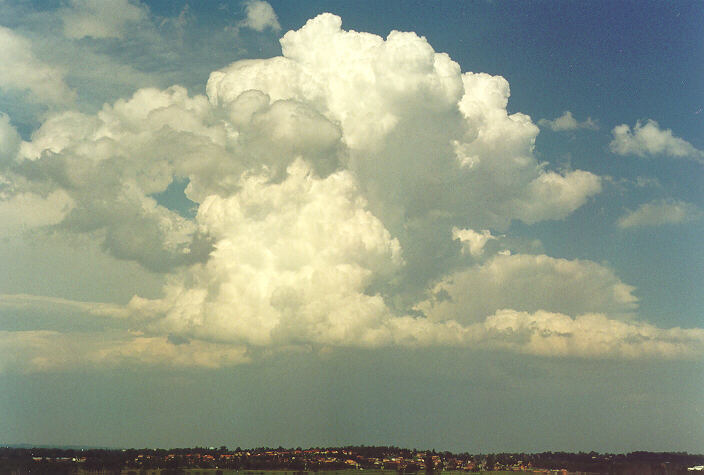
point(221, 460)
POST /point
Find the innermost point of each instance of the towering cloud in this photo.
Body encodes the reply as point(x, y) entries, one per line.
point(332, 184)
point(292, 261)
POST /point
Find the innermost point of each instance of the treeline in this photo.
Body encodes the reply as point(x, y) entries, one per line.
point(635, 463)
point(70, 461)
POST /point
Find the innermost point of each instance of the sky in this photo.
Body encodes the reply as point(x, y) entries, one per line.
point(467, 226)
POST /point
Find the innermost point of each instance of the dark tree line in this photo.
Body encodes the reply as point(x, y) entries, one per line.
point(68, 461)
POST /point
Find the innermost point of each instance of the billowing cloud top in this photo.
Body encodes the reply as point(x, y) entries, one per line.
point(332, 186)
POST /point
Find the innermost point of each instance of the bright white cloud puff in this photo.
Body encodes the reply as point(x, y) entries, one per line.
point(260, 16)
point(472, 241)
point(648, 139)
point(567, 122)
point(323, 212)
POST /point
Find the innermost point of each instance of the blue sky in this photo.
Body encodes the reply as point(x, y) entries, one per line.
point(481, 234)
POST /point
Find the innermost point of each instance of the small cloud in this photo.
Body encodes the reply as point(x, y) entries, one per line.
point(472, 241)
point(260, 16)
point(657, 213)
point(647, 182)
point(649, 139)
point(567, 122)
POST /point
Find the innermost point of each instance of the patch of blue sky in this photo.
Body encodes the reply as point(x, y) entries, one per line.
point(175, 199)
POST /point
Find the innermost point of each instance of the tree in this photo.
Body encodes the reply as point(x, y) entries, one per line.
point(429, 465)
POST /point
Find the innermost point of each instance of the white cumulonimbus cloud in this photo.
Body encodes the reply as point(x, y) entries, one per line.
point(291, 264)
point(661, 212)
point(567, 122)
point(331, 184)
point(648, 139)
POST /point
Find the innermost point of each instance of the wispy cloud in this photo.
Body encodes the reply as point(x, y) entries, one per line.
point(661, 212)
point(98, 19)
point(42, 351)
point(22, 70)
point(26, 301)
